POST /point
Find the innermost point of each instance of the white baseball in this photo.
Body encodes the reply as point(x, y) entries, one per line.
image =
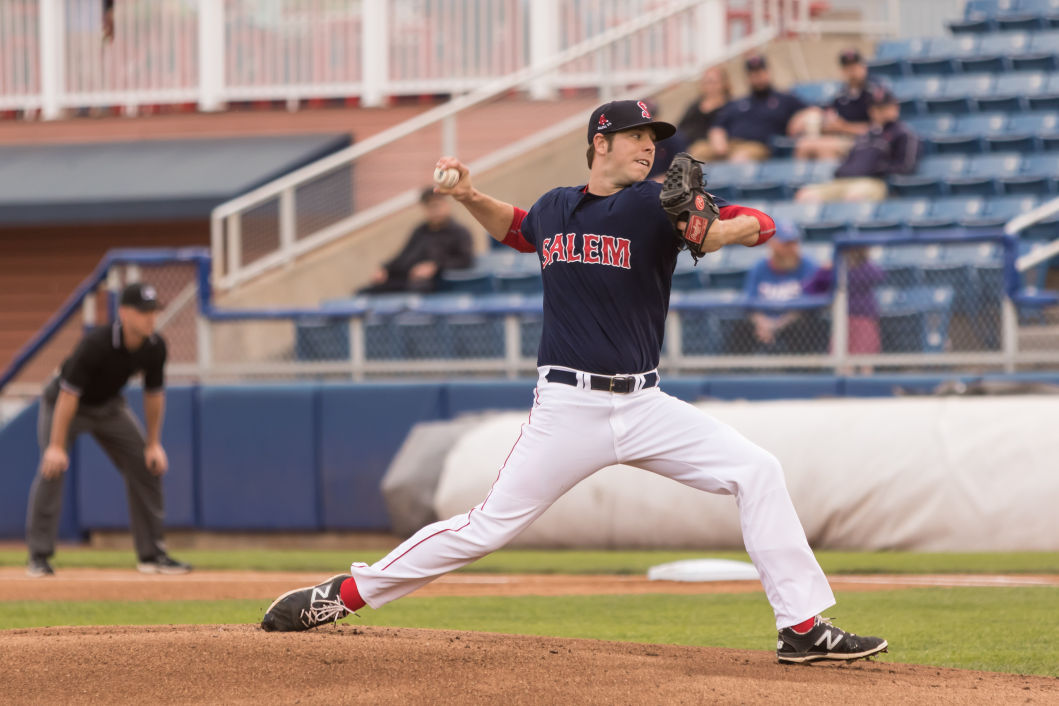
point(446, 178)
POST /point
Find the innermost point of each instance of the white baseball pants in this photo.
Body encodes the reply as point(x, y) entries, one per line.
point(571, 433)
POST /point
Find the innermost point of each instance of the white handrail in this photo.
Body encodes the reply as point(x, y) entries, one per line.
point(228, 274)
point(452, 107)
point(1025, 220)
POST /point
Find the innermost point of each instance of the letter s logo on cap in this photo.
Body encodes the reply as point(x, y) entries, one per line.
point(643, 110)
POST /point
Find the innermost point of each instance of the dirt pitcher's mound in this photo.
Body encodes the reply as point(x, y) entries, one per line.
point(242, 664)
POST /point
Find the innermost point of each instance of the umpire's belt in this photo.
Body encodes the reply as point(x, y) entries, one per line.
point(617, 383)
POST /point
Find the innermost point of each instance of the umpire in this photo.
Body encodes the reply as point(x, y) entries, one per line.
point(86, 397)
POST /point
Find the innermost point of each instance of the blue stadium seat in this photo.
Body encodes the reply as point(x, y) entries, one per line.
point(730, 174)
point(892, 215)
point(822, 170)
point(1016, 91)
point(706, 318)
point(1026, 16)
point(731, 269)
point(931, 177)
point(995, 52)
point(984, 263)
point(686, 276)
point(1045, 97)
point(967, 135)
point(913, 91)
point(380, 336)
point(1002, 209)
point(960, 92)
point(820, 253)
point(1028, 132)
point(914, 319)
point(795, 212)
point(1039, 175)
point(778, 178)
point(838, 217)
point(942, 55)
point(984, 172)
point(948, 212)
point(902, 48)
point(472, 280)
point(931, 128)
point(816, 92)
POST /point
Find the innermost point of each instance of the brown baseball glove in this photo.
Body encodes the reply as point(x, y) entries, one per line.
point(684, 199)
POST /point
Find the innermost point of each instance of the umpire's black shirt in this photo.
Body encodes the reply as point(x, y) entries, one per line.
point(100, 366)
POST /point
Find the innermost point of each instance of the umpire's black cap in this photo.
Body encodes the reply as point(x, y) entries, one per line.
point(622, 115)
point(140, 296)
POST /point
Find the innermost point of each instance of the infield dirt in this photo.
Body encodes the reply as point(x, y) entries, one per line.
point(350, 664)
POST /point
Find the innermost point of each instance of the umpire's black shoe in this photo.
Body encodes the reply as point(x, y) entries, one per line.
point(305, 608)
point(163, 564)
point(825, 641)
point(38, 566)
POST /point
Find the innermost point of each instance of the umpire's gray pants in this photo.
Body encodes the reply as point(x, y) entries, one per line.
point(118, 431)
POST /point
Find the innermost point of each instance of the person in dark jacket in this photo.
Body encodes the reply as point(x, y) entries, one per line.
point(437, 244)
point(889, 147)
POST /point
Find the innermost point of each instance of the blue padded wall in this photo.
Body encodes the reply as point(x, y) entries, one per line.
point(258, 456)
point(361, 428)
point(786, 387)
point(101, 499)
point(19, 457)
point(687, 389)
point(511, 395)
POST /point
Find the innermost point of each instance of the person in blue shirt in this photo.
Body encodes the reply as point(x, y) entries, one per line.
point(888, 147)
point(830, 131)
point(744, 129)
point(607, 251)
point(780, 278)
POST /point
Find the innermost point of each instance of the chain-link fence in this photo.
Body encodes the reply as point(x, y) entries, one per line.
point(852, 307)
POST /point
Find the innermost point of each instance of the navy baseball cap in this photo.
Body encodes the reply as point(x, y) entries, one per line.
point(849, 56)
point(756, 62)
point(881, 95)
point(622, 115)
point(140, 296)
point(787, 232)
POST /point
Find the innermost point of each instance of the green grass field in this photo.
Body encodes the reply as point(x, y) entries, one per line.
point(997, 629)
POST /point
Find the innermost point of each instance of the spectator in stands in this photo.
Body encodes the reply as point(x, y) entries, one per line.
point(86, 397)
point(701, 114)
point(666, 148)
point(779, 278)
point(108, 20)
point(437, 244)
point(862, 277)
point(888, 147)
point(744, 128)
point(830, 131)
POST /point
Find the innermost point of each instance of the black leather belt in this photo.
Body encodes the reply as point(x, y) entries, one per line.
point(621, 384)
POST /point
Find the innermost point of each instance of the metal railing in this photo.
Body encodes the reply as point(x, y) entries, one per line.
point(268, 227)
point(210, 52)
point(937, 303)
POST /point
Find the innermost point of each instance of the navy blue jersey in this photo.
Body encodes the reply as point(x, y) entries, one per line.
point(852, 105)
point(607, 266)
point(759, 116)
point(882, 151)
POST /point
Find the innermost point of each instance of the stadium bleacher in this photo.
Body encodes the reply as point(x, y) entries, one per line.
point(983, 99)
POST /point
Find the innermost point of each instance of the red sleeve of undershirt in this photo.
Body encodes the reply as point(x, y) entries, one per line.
point(514, 238)
point(766, 226)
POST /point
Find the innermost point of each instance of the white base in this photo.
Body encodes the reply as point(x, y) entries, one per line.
point(703, 570)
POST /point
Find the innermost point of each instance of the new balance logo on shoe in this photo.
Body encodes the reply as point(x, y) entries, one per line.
point(825, 642)
point(830, 640)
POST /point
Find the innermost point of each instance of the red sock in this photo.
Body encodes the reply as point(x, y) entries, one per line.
point(350, 595)
point(801, 628)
